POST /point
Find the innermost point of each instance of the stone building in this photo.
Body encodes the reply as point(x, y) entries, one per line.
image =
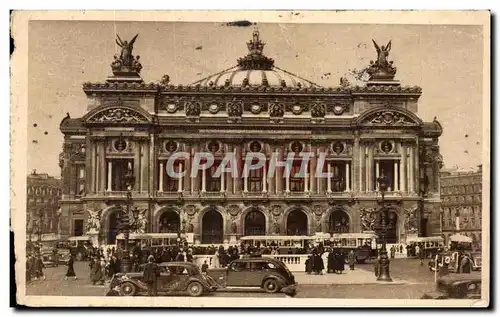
point(42, 206)
point(461, 196)
point(365, 132)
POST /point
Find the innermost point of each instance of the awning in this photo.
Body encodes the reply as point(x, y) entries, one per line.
point(460, 238)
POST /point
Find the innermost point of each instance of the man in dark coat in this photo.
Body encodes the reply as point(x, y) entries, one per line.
point(150, 276)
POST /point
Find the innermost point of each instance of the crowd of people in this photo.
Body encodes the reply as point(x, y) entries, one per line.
point(334, 257)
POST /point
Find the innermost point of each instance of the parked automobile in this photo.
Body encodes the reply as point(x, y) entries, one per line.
point(457, 286)
point(176, 278)
point(268, 274)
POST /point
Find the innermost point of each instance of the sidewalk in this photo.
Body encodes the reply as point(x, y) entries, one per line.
point(358, 276)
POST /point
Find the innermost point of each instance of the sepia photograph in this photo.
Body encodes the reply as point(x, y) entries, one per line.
point(251, 159)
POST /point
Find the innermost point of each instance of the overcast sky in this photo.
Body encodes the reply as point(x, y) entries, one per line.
point(446, 61)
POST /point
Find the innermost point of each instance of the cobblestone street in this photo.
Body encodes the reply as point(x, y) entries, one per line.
point(411, 281)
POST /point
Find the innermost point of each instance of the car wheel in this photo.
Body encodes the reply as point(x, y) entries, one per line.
point(195, 289)
point(128, 289)
point(271, 286)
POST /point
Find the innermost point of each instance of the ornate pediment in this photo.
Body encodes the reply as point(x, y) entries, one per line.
point(389, 116)
point(117, 115)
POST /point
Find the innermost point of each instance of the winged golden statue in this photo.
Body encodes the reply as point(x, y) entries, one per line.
point(382, 53)
point(127, 47)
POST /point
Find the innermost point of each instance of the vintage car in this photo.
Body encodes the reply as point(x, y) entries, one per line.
point(268, 274)
point(457, 286)
point(176, 278)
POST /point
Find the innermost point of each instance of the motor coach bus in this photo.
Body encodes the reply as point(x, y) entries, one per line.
point(363, 244)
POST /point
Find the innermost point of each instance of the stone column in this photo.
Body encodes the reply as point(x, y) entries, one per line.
point(160, 177)
point(137, 164)
point(361, 166)
point(110, 174)
point(355, 175)
point(229, 176)
point(403, 168)
point(187, 175)
point(102, 166)
point(239, 168)
point(347, 177)
point(279, 170)
point(377, 173)
point(329, 178)
point(416, 165)
point(204, 181)
point(195, 181)
point(92, 175)
point(411, 169)
point(222, 182)
point(287, 176)
point(312, 174)
point(264, 177)
point(271, 181)
point(396, 178)
point(89, 165)
point(306, 178)
point(152, 164)
point(179, 186)
point(370, 167)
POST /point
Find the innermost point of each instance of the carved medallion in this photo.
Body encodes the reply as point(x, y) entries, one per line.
point(213, 108)
point(255, 146)
point(296, 147)
point(297, 109)
point(190, 210)
point(318, 111)
point(338, 147)
point(276, 110)
point(318, 210)
point(235, 108)
point(338, 109)
point(256, 108)
point(171, 146)
point(276, 210)
point(193, 108)
point(233, 210)
point(386, 147)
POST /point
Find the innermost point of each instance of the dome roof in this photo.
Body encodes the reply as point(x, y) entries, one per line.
point(254, 70)
point(273, 78)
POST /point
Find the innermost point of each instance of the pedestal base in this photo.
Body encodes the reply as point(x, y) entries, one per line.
point(94, 238)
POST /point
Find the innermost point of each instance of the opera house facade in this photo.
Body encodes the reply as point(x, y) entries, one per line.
point(362, 132)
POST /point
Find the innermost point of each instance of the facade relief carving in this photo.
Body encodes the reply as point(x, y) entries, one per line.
point(139, 221)
point(192, 108)
point(94, 221)
point(389, 117)
point(368, 218)
point(118, 115)
point(276, 110)
point(411, 220)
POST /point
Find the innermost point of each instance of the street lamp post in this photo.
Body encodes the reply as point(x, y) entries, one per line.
point(125, 221)
point(384, 274)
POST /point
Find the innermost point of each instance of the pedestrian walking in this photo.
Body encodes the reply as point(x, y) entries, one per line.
point(376, 266)
point(97, 274)
point(204, 267)
point(38, 268)
point(465, 264)
point(393, 252)
point(71, 270)
point(150, 276)
point(351, 258)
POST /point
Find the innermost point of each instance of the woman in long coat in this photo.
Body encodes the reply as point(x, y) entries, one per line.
point(351, 258)
point(96, 274)
point(71, 270)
